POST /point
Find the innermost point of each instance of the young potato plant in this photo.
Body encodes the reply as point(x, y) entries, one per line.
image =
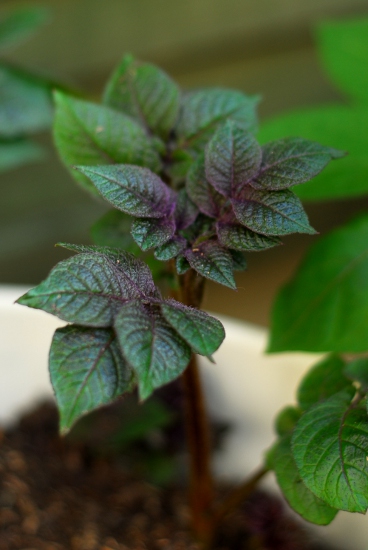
point(201, 192)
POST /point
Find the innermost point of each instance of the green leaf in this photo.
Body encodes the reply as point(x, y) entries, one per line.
point(203, 333)
point(299, 497)
point(240, 238)
point(18, 24)
point(132, 189)
point(182, 265)
point(286, 420)
point(186, 211)
point(113, 230)
point(322, 381)
point(330, 447)
point(150, 233)
point(25, 103)
point(213, 262)
point(89, 134)
point(204, 110)
point(89, 289)
point(87, 371)
point(357, 371)
point(271, 213)
point(291, 161)
point(19, 152)
point(343, 48)
point(145, 93)
point(202, 193)
point(343, 127)
point(325, 306)
point(151, 346)
point(239, 261)
point(171, 249)
point(233, 157)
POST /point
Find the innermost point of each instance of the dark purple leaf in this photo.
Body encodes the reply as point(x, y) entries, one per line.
point(212, 261)
point(239, 237)
point(202, 193)
point(150, 233)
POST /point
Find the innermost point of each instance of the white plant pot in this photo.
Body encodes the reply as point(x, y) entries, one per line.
point(245, 388)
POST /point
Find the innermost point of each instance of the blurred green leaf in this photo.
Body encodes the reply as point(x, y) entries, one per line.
point(325, 306)
point(18, 152)
point(18, 24)
point(337, 126)
point(343, 48)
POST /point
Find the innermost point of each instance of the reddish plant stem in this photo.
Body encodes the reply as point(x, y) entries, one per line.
point(197, 426)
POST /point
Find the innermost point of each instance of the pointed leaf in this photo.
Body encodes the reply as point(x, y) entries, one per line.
point(233, 157)
point(343, 48)
point(171, 249)
point(25, 103)
point(271, 213)
point(357, 371)
point(213, 262)
point(18, 24)
point(132, 189)
point(203, 333)
point(186, 211)
point(19, 152)
point(145, 93)
point(330, 447)
point(149, 233)
point(299, 497)
point(90, 134)
point(202, 193)
point(151, 346)
point(204, 110)
point(87, 371)
point(342, 126)
point(292, 161)
point(89, 289)
point(240, 238)
point(322, 381)
point(325, 306)
point(239, 261)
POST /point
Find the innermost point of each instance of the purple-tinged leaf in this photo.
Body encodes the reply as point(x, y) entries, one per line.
point(132, 189)
point(87, 371)
point(182, 265)
point(239, 261)
point(212, 261)
point(204, 110)
point(202, 193)
point(170, 249)
point(276, 213)
point(233, 157)
point(88, 134)
point(186, 211)
point(239, 237)
point(150, 232)
point(292, 161)
point(203, 333)
point(145, 93)
point(154, 350)
point(89, 289)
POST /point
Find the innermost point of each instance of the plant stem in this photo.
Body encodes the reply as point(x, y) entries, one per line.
point(197, 426)
point(238, 495)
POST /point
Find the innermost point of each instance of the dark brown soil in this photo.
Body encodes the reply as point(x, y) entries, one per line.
point(58, 495)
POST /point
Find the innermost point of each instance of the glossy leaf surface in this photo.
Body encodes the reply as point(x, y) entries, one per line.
point(212, 262)
point(89, 134)
point(170, 249)
point(233, 157)
point(203, 333)
point(277, 213)
point(299, 497)
point(325, 306)
point(151, 346)
point(291, 161)
point(330, 447)
point(240, 238)
point(202, 193)
point(132, 189)
point(87, 371)
point(152, 232)
point(145, 93)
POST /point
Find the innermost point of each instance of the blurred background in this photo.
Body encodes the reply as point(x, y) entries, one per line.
point(262, 47)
